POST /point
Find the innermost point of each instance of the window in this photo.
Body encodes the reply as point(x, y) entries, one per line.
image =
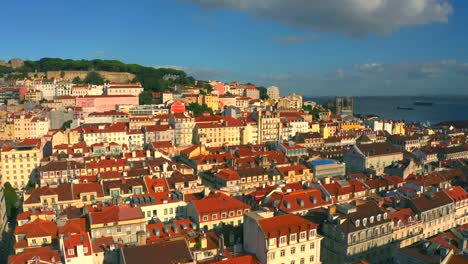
point(302, 261)
point(303, 235)
point(311, 233)
point(282, 253)
point(223, 215)
point(119, 229)
point(85, 250)
point(302, 248)
point(44, 240)
point(282, 239)
point(33, 241)
point(312, 245)
point(71, 252)
point(293, 250)
point(214, 216)
point(272, 241)
point(311, 258)
point(272, 255)
point(231, 214)
point(292, 238)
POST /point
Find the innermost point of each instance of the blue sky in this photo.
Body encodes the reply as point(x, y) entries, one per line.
point(334, 47)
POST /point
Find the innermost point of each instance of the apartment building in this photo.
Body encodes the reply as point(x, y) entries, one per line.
point(19, 163)
point(215, 210)
point(371, 157)
point(35, 234)
point(133, 89)
point(407, 227)
point(460, 199)
point(353, 232)
point(281, 239)
point(164, 206)
point(122, 222)
point(216, 131)
point(269, 126)
point(437, 210)
point(27, 125)
point(183, 128)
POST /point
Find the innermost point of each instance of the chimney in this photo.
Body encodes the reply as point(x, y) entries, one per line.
point(133, 154)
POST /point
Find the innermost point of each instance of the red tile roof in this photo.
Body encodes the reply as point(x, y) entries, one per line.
point(38, 228)
point(72, 241)
point(46, 254)
point(282, 225)
point(218, 202)
point(110, 214)
point(457, 193)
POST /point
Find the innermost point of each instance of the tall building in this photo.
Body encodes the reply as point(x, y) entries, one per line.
point(281, 239)
point(19, 163)
point(344, 105)
point(357, 232)
point(273, 92)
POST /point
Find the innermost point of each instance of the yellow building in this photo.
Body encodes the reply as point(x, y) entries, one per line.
point(399, 128)
point(27, 125)
point(351, 126)
point(211, 101)
point(19, 164)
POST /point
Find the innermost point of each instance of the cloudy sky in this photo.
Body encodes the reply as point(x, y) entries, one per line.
point(333, 47)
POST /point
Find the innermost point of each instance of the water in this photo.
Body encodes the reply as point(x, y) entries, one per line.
point(445, 108)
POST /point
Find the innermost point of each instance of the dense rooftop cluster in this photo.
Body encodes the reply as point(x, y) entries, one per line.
point(223, 174)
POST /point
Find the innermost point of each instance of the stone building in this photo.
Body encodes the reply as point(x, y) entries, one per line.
point(357, 232)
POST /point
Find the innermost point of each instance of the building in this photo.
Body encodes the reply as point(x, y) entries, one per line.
point(273, 92)
point(27, 125)
point(217, 209)
point(357, 232)
point(437, 210)
point(183, 128)
point(371, 157)
point(460, 199)
point(215, 131)
point(102, 103)
point(344, 105)
point(35, 234)
point(164, 206)
point(19, 163)
point(163, 252)
point(327, 168)
point(133, 89)
point(407, 227)
point(281, 239)
point(122, 222)
point(77, 248)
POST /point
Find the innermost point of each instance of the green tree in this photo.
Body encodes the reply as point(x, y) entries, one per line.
point(94, 78)
point(67, 124)
point(312, 111)
point(145, 98)
point(77, 80)
point(11, 199)
point(198, 109)
point(263, 93)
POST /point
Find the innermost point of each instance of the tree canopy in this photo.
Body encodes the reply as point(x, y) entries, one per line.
point(94, 78)
point(263, 93)
point(153, 79)
point(145, 98)
point(11, 199)
point(199, 109)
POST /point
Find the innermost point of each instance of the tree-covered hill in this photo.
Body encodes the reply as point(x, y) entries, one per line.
point(153, 79)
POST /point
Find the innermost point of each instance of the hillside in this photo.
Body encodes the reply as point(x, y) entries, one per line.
point(153, 79)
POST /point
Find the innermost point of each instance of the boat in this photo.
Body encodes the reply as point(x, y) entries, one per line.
point(404, 108)
point(424, 103)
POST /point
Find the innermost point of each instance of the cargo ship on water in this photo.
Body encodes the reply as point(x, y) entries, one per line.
point(423, 103)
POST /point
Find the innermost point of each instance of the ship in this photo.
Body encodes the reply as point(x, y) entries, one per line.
point(404, 108)
point(424, 103)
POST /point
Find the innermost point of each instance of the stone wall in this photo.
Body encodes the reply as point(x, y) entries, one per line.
point(111, 76)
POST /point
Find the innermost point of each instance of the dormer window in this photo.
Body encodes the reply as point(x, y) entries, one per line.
point(293, 238)
point(371, 219)
point(282, 239)
point(364, 221)
point(358, 223)
point(410, 219)
point(71, 252)
point(311, 233)
point(385, 215)
point(379, 217)
point(272, 241)
point(214, 216)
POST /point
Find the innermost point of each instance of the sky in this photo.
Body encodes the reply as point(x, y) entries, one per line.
point(315, 47)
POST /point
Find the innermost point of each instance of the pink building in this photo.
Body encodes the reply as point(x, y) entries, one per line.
point(220, 88)
point(101, 103)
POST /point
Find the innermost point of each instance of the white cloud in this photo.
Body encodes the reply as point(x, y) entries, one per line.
point(353, 17)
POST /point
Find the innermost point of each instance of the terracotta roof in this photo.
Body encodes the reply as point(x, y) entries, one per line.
point(431, 201)
point(38, 228)
point(277, 226)
point(457, 193)
point(102, 244)
point(166, 252)
point(73, 226)
point(43, 253)
point(110, 214)
point(63, 191)
point(218, 202)
point(72, 241)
